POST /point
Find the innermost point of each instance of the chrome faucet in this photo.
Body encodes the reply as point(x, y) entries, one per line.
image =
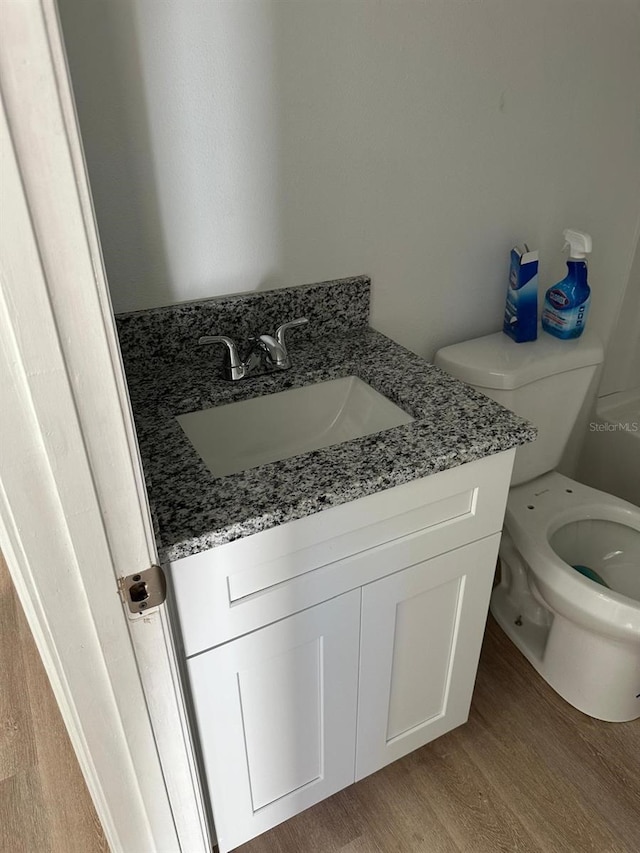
point(265, 354)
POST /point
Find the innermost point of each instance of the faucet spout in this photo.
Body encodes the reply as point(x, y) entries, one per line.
point(275, 351)
point(265, 354)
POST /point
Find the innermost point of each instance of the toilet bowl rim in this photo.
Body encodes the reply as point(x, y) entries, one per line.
point(552, 512)
point(571, 594)
point(567, 591)
point(590, 512)
point(584, 499)
point(548, 523)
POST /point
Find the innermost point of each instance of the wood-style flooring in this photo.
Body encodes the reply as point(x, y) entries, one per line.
point(44, 803)
point(527, 773)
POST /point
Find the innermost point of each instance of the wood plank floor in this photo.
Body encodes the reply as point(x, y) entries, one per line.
point(527, 773)
point(44, 803)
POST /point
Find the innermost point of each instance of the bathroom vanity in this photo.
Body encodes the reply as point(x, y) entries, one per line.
point(323, 649)
point(329, 606)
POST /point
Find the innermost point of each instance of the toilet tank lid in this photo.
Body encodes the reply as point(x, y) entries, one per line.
point(496, 361)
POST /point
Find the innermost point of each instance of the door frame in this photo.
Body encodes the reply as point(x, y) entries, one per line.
point(74, 515)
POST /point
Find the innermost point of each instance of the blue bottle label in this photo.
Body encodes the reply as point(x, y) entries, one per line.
point(566, 304)
point(558, 299)
point(560, 319)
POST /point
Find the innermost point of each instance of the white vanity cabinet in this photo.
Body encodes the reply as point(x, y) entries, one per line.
point(276, 716)
point(320, 650)
point(420, 639)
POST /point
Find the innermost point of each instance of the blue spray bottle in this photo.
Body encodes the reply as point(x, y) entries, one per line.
point(566, 304)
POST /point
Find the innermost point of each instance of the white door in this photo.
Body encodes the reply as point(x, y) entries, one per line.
point(421, 634)
point(276, 712)
point(73, 511)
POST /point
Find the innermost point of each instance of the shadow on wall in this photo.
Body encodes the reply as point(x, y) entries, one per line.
point(185, 191)
point(103, 49)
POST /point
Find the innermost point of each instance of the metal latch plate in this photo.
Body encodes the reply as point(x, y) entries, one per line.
point(143, 590)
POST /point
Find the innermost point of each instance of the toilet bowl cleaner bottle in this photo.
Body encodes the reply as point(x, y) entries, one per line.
point(566, 304)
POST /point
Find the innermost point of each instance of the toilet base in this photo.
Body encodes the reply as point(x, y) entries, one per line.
point(597, 675)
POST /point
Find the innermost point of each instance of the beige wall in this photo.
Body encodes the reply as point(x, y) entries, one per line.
point(242, 145)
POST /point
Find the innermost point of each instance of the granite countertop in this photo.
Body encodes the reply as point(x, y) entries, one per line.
point(194, 511)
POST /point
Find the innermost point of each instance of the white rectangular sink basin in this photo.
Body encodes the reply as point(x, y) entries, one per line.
point(249, 433)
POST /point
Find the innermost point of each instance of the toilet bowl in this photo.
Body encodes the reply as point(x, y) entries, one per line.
point(581, 636)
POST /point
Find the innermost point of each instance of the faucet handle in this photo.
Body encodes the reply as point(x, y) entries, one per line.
point(234, 368)
point(280, 332)
point(232, 349)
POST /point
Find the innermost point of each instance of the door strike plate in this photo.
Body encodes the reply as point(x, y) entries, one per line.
point(143, 590)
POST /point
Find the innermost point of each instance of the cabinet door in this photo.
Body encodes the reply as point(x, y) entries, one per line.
point(421, 634)
point(276, 714)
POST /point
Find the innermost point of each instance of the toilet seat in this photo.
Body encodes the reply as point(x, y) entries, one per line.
point(537, 510)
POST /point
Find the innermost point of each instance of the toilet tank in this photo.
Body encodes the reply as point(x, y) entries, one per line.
point(544, 381)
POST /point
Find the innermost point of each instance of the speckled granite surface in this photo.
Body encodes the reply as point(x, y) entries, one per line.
point(169, 334)
point(194, 511)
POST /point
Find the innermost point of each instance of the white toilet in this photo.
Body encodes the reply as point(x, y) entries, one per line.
point(583, 637)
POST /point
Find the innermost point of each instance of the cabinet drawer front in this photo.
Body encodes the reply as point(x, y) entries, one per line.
point(276, 714)
point(236, 588)
point(421, 634)
point(441, 510)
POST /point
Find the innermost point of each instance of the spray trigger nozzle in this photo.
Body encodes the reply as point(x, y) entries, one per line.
point(579, 243)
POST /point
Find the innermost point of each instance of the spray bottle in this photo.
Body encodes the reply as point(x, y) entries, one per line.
point(566, 304)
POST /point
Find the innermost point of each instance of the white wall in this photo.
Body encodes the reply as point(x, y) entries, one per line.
point(622, 365)
point(243, 145)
